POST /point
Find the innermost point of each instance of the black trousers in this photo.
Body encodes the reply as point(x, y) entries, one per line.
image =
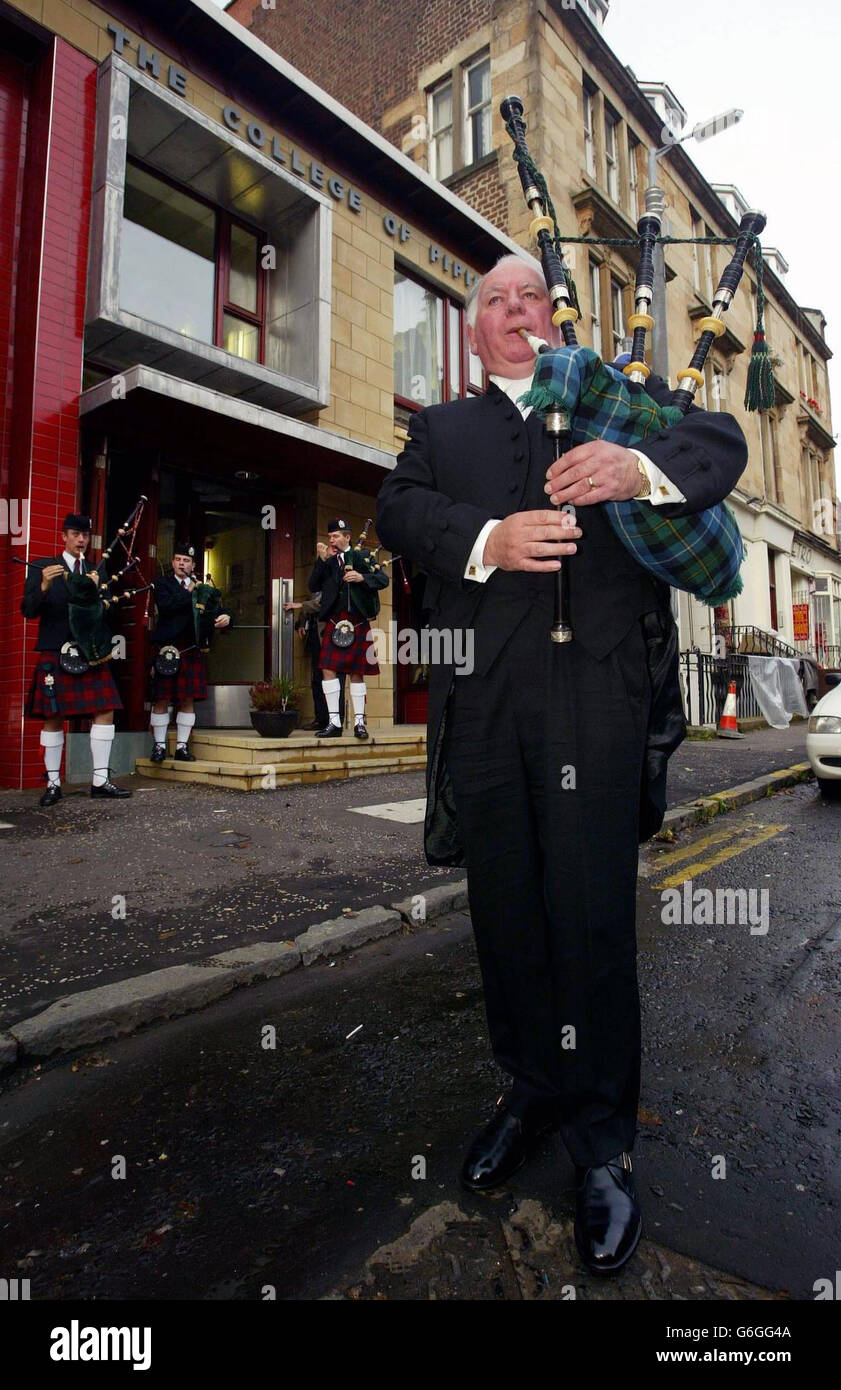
point(546, 757)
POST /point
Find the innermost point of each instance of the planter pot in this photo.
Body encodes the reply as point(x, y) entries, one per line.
point(275, 723)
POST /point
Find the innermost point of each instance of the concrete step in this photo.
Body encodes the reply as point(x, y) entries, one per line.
point(251, 777)
point(243, 747)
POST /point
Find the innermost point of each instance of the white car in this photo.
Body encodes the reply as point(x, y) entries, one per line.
point(823, 741)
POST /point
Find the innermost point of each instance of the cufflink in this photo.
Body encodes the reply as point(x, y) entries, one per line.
point(471, 569)
point(663, 490)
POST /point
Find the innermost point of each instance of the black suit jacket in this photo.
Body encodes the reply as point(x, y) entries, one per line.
point(326, 577)
point(175, 614)
point(471, 460)
point(50, 608)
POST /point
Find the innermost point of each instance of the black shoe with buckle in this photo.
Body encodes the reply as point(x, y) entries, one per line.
point(158, 753)
point(183, 755)
point(503, 1146)
point(109, 791)
point(360, 731)
point(608, 1222)
point(51, 795)
point(332, 731)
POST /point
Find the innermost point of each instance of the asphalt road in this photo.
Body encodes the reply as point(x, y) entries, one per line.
point(202, 869)
point(294, 1167)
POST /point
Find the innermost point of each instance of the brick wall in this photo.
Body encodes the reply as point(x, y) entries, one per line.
point(364, 52)
point(48, 321)
point(484, 192)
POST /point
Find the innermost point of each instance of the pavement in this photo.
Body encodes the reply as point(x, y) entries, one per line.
point(115, 916)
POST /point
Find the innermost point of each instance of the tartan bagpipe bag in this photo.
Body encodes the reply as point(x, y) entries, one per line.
point(702, 553)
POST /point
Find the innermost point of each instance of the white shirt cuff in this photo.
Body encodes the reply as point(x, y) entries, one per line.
point(475, 569)
point(663, 490)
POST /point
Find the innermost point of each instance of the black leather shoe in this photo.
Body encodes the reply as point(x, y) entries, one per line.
point(109, 791)
point(158, 753)
point(50, 797)
point(608, 1223)
point(501, 1147)
point(332, 731)
point(183, 755)
point(360, 731)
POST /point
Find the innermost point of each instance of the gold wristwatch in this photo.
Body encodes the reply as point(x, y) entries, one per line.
point(644, 489)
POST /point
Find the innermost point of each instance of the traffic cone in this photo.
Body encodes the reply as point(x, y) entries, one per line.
point(728, 725)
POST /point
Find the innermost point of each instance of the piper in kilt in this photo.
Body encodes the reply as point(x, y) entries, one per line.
point(348, 596)
point(176, 628)
point(55, 694)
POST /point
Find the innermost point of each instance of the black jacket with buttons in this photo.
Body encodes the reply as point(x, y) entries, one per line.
point(472, 460)
point(176, 625)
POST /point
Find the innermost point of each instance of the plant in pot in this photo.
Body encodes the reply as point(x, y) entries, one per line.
point(274, 706)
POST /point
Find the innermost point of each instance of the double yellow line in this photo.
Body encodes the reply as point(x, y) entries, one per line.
point(747, 840)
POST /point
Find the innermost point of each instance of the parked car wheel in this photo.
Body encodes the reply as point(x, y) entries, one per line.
point(829, 789)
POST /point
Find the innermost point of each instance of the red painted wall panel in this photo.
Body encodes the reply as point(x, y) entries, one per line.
point(46, 160)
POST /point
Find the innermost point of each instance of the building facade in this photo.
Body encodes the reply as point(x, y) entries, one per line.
point(432, 84)
point(219, 289)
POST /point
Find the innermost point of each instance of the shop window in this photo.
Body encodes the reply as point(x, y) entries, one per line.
point(430, 346)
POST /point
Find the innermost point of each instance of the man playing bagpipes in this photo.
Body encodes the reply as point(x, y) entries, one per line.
point(348, 581)
point(72, 678)
point(189, 611)
point(546, 764)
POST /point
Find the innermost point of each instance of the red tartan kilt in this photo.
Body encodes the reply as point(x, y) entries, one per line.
point(352, 660)
point(189, 684)
point(90, 693)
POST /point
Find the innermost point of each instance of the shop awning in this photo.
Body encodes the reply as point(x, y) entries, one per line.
point(208, 429)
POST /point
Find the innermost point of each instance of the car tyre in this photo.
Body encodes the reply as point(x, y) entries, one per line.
point(830, 788)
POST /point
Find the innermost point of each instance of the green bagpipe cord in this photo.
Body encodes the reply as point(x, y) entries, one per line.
point(701, 553)
point(89, 627)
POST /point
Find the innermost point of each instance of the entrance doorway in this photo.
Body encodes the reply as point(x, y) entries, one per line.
point(411, 682)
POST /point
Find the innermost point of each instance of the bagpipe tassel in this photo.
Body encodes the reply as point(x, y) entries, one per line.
point(759, 390)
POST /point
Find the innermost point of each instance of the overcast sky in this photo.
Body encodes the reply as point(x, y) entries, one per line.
point(780, 61)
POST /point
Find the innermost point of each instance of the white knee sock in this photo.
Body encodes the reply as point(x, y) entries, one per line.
point(159, 723)
point(357, 694)
point(332, 690)
point(102, 736)
point(183, 728)
point(52, 742)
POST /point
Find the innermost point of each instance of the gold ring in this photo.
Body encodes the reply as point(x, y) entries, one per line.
point(590, 481)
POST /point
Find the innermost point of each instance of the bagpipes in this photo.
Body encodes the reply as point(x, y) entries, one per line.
point(89, 600)
point(581, 398)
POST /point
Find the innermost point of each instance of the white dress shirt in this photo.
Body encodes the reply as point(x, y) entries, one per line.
point(70, 561)
point(662, 488)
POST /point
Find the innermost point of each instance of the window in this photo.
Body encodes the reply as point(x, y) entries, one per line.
point(589, 138)
point(633, 177)
point(441, 130)
point(617, 315)
point(770, 459)
point(702, 264)
point(719, 388)
point(189, 266)
point(477, 109)
point(772, 587)
point(595, 308)
point(611, 157)
point(167, 256)
point(430, 345)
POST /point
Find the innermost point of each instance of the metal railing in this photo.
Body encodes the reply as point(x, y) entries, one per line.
point(704, 682)
point(757, 642)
